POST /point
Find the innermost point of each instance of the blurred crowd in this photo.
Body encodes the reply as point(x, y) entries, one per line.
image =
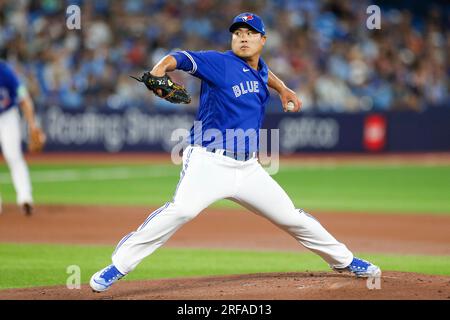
point(321, 49)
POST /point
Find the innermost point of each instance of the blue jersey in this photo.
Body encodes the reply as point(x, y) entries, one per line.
point(232, 99)
point(9, 88)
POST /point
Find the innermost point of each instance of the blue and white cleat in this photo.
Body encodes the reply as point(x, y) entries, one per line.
point(103, 279)
point(361, 268)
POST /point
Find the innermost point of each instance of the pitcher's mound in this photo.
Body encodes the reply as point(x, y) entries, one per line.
point(267, 286)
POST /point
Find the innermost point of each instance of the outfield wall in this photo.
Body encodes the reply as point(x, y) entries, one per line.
point(137, 130)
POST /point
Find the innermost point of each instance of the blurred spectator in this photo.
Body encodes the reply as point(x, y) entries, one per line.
point(322, 49)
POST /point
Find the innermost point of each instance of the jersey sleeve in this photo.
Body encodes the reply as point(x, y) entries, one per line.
point(11, 77)
point(17, 90)
point(206, 65)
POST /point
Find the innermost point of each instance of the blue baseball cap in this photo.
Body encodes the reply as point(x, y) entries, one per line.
point(250, 20)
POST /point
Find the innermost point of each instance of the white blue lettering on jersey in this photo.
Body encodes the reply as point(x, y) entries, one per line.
point(9, 88)
point(233, 96)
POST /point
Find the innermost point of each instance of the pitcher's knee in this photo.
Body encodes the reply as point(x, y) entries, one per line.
point(185, 212)
point(307, 215)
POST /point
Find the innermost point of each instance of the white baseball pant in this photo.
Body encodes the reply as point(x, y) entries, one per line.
point(10, 141)
point(207, 177)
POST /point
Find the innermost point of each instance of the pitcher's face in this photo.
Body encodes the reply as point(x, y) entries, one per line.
point(246, 43)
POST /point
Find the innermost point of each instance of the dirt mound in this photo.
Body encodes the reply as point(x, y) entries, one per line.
point(268, 286)
point(419, 234)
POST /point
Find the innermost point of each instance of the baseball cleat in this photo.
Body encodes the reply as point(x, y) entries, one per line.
point(103, 279)
point(361, 268)
point(27, 209)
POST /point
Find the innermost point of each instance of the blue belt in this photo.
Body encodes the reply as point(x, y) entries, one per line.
point(240, 156)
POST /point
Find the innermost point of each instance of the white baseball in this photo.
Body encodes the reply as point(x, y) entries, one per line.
point(290, 106)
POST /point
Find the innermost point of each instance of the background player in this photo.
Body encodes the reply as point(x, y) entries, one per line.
point(234, 92)
point(13, 94)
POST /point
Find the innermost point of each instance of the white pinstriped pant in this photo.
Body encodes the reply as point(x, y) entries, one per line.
point(207, 177)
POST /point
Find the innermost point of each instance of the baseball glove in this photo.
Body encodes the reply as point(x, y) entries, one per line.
point(36, 140)
point(171, 91)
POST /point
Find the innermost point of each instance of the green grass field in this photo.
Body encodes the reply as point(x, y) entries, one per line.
point(373, 189)
point(28, 265)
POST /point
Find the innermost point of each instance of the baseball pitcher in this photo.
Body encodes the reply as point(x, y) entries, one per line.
point(234, 91)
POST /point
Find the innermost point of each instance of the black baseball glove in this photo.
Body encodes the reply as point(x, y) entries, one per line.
point(171, 91)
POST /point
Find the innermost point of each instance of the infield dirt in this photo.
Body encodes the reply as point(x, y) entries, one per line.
point(236, 229)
